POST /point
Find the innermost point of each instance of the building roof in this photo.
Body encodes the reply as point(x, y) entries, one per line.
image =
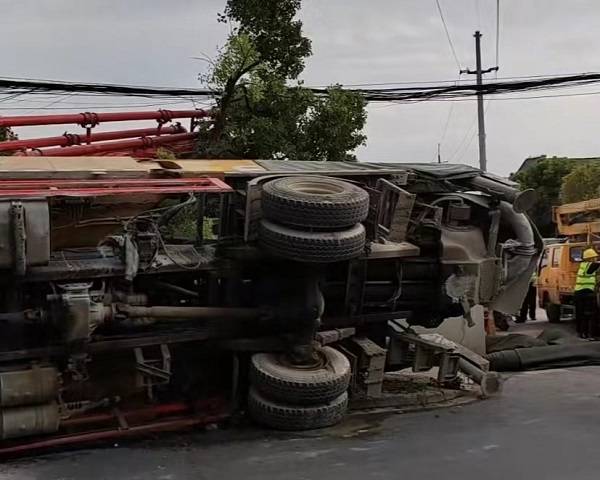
point(531, 162)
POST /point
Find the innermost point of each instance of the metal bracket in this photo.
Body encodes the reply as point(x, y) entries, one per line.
point(153, 371)
point(370, 365)
point(407, 348)
point(393, 211)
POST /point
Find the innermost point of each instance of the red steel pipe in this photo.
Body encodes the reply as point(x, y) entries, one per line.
point(69, 139)
point(91, 118)
point(103, 147)
point(170, 425)
point(148, 412)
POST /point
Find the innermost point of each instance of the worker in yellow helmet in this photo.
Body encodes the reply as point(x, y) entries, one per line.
point(586, 310)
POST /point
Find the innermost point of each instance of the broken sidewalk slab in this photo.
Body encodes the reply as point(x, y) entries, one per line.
point(434, 350)
point(412, 393)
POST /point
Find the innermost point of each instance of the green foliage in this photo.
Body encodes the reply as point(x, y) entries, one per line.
point(183, 226)
point(270, 120)
point(335, 126)
point(238, 55)
point(260, 114)
point(271, 27)
point(546, 179)
point(583, 183)
point(7, 134)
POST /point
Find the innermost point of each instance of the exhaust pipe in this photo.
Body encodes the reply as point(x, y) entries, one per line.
point(521, 200)
point(489, 382)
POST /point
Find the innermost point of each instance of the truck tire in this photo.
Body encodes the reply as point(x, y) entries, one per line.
point(553, 312)
point(313, 247)
point(290, 417)
point(280, 381)
point(314, 202)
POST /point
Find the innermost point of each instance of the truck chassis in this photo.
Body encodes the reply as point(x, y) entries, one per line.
point(147, 304)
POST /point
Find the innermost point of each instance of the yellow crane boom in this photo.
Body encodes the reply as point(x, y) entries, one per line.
point(578, 219)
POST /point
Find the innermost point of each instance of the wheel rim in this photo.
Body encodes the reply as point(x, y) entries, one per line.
point(316, 188)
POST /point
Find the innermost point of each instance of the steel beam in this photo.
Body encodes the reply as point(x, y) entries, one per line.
point(90, 119)
point(96, 188)
point(70, 139)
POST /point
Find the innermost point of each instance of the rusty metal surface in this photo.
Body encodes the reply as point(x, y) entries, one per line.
point(96, 188)
point(70, 167)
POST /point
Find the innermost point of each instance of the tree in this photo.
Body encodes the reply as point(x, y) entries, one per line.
point(6, 134)
point(583, 183)
point(263, 111)
point(546, 179)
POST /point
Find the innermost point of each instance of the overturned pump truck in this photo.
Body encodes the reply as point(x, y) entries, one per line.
point(166, 301)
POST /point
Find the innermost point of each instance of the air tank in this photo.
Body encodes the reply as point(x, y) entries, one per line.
point(20, 422)
point(31, 386)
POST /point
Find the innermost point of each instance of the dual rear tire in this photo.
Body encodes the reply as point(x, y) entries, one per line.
point(282, 416)
point(307, 219)
point(313, 219)
point(288, 397)
point(314, 202)
point(312, 247)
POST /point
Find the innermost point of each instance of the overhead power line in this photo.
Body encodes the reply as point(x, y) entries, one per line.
point(458, 64)
point(29, 86)
point(440, 82)
point(467, 90)
point(403, 94)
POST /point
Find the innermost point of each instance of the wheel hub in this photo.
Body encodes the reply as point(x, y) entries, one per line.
point(315, 361)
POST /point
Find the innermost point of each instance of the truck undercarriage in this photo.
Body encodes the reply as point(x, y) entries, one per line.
point(159, 301)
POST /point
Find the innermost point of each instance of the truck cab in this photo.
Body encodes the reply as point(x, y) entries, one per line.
point(577, 223)
point(557, 272)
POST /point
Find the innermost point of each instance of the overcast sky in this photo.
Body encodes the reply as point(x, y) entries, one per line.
point(153, 42)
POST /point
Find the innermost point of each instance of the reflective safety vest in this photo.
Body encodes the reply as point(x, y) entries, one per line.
point(585, 280)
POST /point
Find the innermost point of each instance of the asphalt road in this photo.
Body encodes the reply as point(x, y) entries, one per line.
point(544, 426)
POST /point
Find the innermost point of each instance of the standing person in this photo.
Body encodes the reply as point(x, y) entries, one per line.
point(585, 295)
point(529, 302)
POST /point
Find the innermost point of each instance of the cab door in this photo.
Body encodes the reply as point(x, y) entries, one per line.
point(548, 275)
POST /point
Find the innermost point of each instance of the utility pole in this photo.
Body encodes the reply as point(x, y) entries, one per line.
point(480, 114)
